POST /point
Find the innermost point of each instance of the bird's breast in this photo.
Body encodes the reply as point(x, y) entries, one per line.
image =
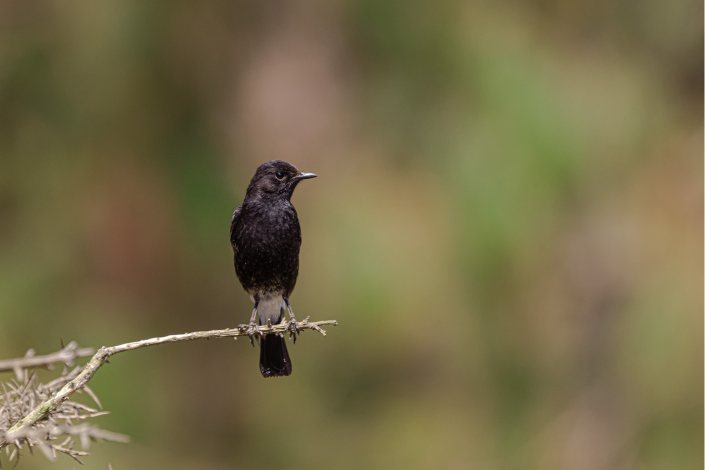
point(267, 249)
point(274, 231)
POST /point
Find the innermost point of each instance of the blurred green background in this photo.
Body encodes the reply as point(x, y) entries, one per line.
point(508, 226)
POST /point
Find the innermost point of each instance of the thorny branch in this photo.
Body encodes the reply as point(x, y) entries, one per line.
point(67, 355)
point(35, 414)
point(57, 431)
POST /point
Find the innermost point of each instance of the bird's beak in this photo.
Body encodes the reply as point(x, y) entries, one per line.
point(304, 176)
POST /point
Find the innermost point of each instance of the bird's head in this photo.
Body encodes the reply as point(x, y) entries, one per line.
point(276, 178)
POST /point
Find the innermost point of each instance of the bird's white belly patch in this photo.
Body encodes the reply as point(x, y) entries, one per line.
point(270, 307)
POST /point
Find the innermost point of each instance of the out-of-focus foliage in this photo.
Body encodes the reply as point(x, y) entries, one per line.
point(524, 179)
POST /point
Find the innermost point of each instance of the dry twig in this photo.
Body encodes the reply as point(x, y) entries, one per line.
point(67, 355)
point(37, 414)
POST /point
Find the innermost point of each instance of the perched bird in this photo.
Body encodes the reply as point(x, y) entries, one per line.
point(266, 237)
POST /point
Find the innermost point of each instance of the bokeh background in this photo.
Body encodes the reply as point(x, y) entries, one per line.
point(508, 226)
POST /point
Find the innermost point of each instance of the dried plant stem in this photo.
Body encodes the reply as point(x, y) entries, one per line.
point(103, 354)
point(67, 355)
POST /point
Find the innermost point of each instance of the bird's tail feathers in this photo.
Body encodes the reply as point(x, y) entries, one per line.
point(274, 359)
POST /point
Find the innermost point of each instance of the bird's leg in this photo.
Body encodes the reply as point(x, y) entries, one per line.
point(293, 324)
point(253, 325)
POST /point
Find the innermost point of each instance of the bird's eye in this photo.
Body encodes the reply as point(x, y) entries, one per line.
point(280, 175)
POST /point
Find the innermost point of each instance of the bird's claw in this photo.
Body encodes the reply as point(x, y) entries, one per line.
point(254, 332)
point(293, 329)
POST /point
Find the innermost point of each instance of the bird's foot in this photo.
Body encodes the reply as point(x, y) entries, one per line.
point(253, 332)
point(293, 329)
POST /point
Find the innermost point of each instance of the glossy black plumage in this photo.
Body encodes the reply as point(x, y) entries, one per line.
point(266, 238)
point(273, 357)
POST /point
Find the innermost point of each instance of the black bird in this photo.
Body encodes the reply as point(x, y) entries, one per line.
point(266, 237)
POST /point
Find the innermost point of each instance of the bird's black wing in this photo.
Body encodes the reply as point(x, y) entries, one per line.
point(233, 223)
